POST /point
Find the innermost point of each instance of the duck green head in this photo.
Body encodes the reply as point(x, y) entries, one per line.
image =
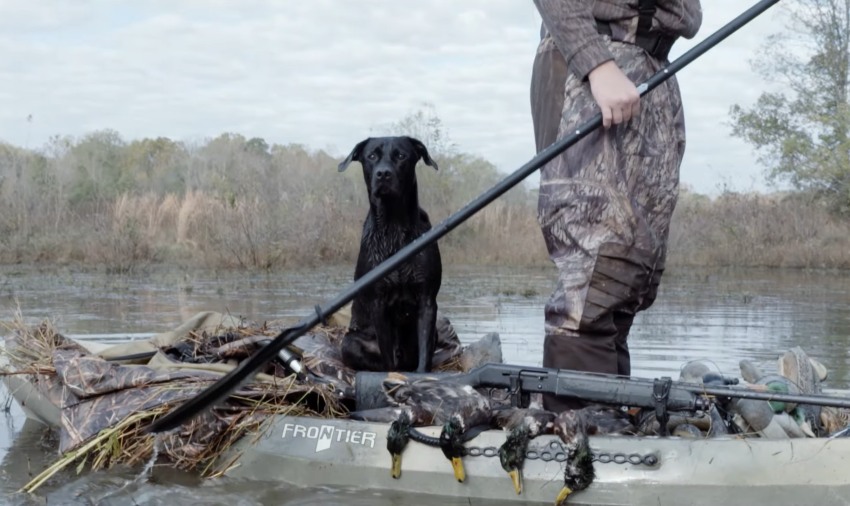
point(512, 455)
point(571, 428)
point(397, 437)
point(451, 442)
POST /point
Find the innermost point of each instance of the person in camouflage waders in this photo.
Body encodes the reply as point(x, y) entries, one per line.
point(605, 204)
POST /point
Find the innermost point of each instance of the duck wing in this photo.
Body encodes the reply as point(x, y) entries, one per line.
point(437, 400)
point(538, 421)
point(418, 417)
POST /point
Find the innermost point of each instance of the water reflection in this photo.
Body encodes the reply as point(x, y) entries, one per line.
point(723, 315)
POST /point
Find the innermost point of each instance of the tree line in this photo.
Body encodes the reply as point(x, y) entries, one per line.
point(237, 202)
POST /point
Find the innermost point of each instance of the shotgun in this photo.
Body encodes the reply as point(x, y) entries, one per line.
point(662, 394)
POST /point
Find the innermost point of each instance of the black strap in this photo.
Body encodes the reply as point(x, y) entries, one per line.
point(646, 11)
point(661, 394)
point(322, 319)
point(654, 42)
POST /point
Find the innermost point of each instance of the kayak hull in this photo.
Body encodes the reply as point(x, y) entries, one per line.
point(675, 471)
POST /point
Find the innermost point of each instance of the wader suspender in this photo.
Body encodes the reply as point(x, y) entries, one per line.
point(646, 10)
point(655, 43)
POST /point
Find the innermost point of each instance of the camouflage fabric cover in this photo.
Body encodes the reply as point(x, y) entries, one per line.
point(94, 393)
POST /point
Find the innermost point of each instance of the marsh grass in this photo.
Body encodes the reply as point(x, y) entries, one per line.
point(197, 230)
point(754, 230)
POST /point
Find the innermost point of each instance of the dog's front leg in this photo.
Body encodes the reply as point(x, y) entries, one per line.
point(426, 333)
point(386, 340)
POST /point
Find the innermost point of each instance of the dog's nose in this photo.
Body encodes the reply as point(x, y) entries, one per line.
point(382, 174)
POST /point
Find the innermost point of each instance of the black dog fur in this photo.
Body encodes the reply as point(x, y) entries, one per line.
point(393, 321)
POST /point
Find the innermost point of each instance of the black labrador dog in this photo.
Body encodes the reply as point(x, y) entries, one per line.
point(393, 321)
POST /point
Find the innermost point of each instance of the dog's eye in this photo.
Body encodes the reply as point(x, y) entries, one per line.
point(401, 156)
point(372, 157)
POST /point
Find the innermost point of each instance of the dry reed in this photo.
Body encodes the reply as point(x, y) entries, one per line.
point(36, 356)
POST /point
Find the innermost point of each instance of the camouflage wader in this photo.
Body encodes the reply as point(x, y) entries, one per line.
point(604, 209)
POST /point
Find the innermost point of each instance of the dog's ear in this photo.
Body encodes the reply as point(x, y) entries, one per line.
point(354, 156)
point(422, 151)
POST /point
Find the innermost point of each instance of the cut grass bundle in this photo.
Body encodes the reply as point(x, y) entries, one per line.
point(109, 446)
point(106, 405)
point(198, 445)
point(129, 398)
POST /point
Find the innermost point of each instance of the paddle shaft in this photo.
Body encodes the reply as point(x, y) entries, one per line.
point(744, 393)
point(219, 390)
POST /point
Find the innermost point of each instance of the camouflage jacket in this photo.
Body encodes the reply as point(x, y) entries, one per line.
point(572, 26)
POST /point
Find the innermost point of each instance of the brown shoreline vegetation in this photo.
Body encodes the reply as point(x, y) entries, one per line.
point(236, 203)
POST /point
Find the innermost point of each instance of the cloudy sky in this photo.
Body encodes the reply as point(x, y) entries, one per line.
point(327, 73)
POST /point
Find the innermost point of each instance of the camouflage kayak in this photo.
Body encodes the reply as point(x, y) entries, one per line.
point(311, 451)
point(294, 433)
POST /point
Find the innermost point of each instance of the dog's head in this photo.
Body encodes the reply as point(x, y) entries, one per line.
point(389, 165)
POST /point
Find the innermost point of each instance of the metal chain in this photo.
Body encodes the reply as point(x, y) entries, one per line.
point(556, 451)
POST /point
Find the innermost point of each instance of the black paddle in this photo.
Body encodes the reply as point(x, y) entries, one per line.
point(220, 389)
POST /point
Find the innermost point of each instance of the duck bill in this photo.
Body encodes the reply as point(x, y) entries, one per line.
point(562, 496)
point(396, 468)
point(516, 478)
point(457, 465)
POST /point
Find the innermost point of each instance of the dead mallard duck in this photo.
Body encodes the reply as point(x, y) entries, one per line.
point(526, 424)
point(604, 420)
point(522, 426)
point(430, 401)
point(398, 436)
point(571, 428)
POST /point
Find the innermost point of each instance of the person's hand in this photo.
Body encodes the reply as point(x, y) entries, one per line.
point(616, 95)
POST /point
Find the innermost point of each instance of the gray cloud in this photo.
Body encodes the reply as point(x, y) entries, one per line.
point(324, 73)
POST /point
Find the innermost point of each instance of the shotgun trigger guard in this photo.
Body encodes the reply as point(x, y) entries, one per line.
point(519, 397)
point(660, 396)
